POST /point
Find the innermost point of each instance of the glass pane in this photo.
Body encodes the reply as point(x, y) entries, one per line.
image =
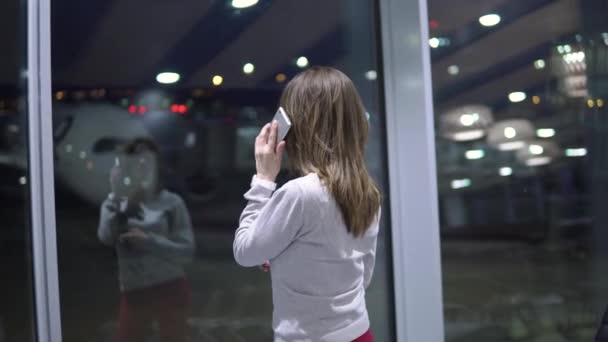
point(520, 90)
point(16, 290)
point(198, 78)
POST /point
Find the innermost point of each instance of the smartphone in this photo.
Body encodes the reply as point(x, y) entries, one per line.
point(284, 123)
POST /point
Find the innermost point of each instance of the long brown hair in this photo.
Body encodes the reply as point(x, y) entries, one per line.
point(328, 136)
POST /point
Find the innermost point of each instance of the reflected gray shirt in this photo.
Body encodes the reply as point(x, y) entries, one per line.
point(319, 271)
point(159, 259)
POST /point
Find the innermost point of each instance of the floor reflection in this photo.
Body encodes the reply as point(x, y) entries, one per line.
point(497, 292)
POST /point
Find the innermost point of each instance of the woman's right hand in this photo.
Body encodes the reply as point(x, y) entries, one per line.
point(268, 152)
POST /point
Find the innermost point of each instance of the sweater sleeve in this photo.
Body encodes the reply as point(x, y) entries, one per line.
point(179, 244)
point(269, 223)
point(111, 222)
point(369, 259)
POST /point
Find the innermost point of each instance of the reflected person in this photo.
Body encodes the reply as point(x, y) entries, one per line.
point(151, 230)
point(318, 231)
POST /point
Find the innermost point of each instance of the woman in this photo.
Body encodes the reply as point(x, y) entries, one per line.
point(151, 230)
point(318, 231)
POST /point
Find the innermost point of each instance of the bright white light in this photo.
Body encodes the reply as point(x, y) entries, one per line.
point(469, 119)
point(539, 64)
point(474, 154)
point(468, 135)
point(434, 42)
point(489, 20)
point(511, 145)
point(538, 161)
point(248, 68)
point(461, 183)
point(190, 140)
point(243, 3)
point(545, 132)
point(576, 152)
point(517, 96)
point(567, 48)
point(560, 49)
point(453, 70)
point(22, 180)
point(217, 80)
point(167, 77)
point(536, 149)
point(510, 132)
point(371, 75)
point(505, 171)
point(302, 62)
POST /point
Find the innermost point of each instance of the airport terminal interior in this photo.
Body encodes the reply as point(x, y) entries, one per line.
point(520, 99)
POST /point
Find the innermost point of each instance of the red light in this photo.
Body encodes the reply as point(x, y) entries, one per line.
point(132, 109)
point(182, 109)
point(174, 108)
point(142, 109)
point(434, 24)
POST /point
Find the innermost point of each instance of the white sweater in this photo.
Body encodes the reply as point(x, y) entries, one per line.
point(319, 271)
point(160, 258)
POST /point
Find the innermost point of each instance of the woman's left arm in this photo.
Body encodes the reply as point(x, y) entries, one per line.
point(269, 223)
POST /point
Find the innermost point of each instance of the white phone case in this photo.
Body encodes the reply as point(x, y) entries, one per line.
point(284, 123)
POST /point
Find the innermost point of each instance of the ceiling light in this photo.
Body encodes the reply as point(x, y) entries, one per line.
point(460, 183)
point(576, 152)
point(539, 64)
point(469, 119)
point(511, 146)
point(371, 75)
point(536, 149)
point(505, 171)
point(510, 132)
point(468, 135)
point(243, 3)
point(517, 96)
point(248, 68)
point(536, 99)
point(538, 161)
point(545, 132)
point(281, 78)
point(434, 42)
point(302, 62)
point(167, 77)
point(453, 70)
point(489, 20)
point(217, 80)
point(474, 154)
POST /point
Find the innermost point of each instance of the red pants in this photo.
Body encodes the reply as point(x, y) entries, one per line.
point(367, 337)
point(167, 304)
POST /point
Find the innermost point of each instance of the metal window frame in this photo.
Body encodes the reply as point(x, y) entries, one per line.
point(412, 171)
point(41, 172)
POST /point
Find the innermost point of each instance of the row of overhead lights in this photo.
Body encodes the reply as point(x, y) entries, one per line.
point(487, 20)
point(507, 171)
point(169, 77)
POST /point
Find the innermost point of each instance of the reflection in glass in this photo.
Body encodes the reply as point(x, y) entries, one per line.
point(523, 228)
point(115, 78)
point(152, 232)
